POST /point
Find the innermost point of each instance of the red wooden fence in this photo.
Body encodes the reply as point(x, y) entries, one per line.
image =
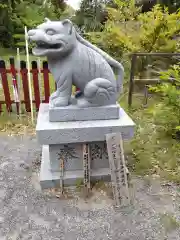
point(6, 76)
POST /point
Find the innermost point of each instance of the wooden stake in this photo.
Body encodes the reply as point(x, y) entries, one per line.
point(40, 78)
point(62, 175)
point(86, 166)
point(29, 75)
point(19, 80)
point(118, 169)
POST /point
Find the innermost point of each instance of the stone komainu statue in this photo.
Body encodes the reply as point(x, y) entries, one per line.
point(74, 61)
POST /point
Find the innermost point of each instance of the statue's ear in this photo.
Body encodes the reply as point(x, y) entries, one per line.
point(68, 25)
point(47, 20)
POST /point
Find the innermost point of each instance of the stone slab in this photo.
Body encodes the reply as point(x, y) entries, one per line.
point(74, 113)
point(80, 131)
point(49, 179)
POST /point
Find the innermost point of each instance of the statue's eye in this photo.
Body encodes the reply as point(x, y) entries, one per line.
point(50, 32)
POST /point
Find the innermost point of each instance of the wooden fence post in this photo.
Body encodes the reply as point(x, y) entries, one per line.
point(36, 84)
point(145, 95)
point(12, 67)
point(131, 82)
point(5, 85)
point(25, 85)
point(14, 76)
point(46, 81)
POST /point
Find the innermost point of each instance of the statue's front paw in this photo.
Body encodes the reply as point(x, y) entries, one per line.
point(84, 103)
point(53, 96)
point(60, 102)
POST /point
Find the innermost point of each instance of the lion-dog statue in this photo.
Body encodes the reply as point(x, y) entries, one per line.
point(75, 61)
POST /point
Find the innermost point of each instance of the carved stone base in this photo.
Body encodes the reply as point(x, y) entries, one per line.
point(51, 179)
point(63, 142)
point(74, 113)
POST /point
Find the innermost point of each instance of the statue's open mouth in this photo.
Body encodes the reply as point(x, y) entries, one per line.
point(44, 45)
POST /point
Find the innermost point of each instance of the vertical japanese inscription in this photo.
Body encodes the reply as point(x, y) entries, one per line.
point(86, 166)
point(118, 169)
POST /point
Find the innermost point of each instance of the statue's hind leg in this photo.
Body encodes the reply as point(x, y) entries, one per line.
point(98, 92)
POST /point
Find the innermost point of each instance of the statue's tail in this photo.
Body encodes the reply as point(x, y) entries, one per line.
point(112, 62)
point(100, 91)
point(120, 77)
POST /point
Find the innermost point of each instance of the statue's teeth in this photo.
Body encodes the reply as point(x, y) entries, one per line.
point(40, 43)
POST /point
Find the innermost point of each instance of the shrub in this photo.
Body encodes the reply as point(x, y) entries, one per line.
point(167, 113)
point(127, 30)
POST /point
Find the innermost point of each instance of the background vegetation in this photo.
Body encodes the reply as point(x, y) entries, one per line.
point(15, 14)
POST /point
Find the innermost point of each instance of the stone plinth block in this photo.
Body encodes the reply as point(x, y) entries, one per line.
point(64, 141)
point(50, 179)
point(74, 113)
point(50, 170)
point(80, 131)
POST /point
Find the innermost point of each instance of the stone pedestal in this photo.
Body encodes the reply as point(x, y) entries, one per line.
point(74, 113)
point(68, 138)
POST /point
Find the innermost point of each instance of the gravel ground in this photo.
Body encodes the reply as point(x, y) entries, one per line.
point(28, 213)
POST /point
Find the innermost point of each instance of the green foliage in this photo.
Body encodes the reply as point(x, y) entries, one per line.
point(172, 5)
point(151, 151)
point(169, 222)
point(124, 11)
point(58, 7)
point(167, 114)
point(128, 30)
point(91, 15)
point(14, 15)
